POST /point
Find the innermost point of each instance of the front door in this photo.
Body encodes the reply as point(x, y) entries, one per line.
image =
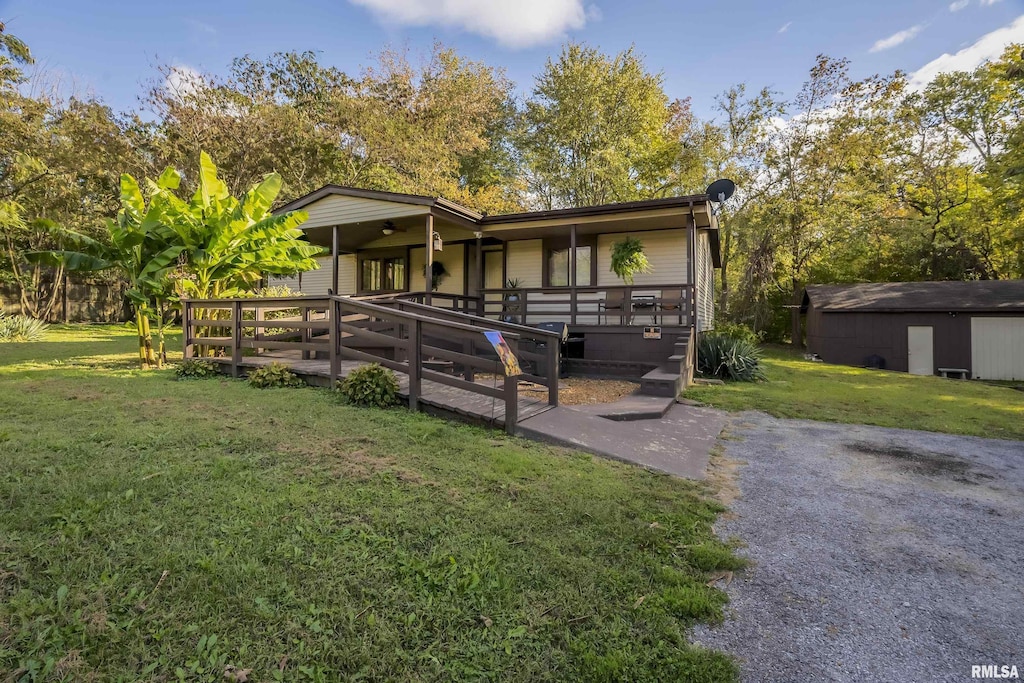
point(920, 350)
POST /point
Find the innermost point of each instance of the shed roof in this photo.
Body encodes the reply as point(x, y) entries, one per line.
point(894, 297)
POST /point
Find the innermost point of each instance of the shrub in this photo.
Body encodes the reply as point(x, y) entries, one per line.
point(370, 385)
point(729, 358)
point(274, 376)
point(196, 368)
point(738, 331)
point(21, 328)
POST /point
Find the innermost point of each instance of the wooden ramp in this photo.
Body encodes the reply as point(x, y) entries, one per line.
point(439, 399)
point(445, 362)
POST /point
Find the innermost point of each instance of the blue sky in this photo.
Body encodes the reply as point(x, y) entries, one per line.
point(111, 48)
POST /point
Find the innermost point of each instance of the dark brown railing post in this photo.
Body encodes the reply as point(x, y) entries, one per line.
point(553, 371)
point(512, 394)
point(468, 372)
point(259, 314)
point(186, 329)
point(334, 334)
point(236, 337)
point(306, 335)
point(511, 404)
point(415, 342)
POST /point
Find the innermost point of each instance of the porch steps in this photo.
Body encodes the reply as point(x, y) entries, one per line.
point(674, 375)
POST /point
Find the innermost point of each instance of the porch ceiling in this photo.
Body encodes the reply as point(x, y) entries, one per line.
point(662, 220)
point(408, 230)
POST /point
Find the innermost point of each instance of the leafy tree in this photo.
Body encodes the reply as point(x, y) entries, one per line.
point(599, 129)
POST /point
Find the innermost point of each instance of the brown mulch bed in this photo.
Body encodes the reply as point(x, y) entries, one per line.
point(580, 391)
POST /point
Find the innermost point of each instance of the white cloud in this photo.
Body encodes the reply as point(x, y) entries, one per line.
point(897, 38)
point(785, 27)
point(182, 80)
point(989, 46)
point(958, 5)
point(989, 3)
point(513, 24)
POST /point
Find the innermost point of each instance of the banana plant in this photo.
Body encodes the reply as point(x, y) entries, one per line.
point(231, 243)
point(212, 246)
point(141, 248)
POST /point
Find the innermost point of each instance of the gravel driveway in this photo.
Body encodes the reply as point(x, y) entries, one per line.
point(877, 554)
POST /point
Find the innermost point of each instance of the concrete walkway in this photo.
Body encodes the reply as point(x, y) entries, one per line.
point(679, 443)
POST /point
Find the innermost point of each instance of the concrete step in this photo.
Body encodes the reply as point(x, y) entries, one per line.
point(676, 363)
point(661, 382)
point(636, 406)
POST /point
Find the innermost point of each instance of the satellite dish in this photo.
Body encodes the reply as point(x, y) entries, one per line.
point(720, 190)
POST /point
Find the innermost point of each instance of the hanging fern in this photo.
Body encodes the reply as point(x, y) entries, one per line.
point(629, 259)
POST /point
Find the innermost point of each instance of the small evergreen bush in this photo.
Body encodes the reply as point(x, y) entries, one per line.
point(21, 328)
point(274, 376)
point(729, 358)
point(196, 368)
point(370, 385)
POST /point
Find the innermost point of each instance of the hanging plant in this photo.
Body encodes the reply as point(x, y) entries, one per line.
point(437, 271)
point(629, 259)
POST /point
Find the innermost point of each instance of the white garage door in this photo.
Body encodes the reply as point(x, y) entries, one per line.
point(997, 348)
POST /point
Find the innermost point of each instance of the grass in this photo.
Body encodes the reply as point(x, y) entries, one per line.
point(797, 388)
point(153, 529)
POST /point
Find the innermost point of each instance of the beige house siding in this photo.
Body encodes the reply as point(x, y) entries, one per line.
point(525, 262)
point(317, 282)
point(338, 210)
point(453, 257)
point(665, 249)
point(705, 283)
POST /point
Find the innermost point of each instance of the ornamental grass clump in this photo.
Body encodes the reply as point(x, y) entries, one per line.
point(372, 386)
point(21, 328)
point(274, 376)
point(729, 358)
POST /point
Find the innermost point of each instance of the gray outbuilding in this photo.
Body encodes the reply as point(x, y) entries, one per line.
point(974, 329)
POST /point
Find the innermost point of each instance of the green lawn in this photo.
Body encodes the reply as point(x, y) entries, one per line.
point(153, 529)
point(837, 393)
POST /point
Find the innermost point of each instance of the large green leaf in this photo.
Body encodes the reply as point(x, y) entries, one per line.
point(131, 197)
point(72, 260)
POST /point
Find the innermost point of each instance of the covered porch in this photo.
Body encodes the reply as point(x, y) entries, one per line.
point(527, 269)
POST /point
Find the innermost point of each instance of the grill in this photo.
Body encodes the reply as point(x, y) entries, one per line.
point(563, 333)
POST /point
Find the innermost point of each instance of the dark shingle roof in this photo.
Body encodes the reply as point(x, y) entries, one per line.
point(982, 295)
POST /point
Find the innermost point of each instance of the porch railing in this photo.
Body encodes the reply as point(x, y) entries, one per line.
point(538, 349)
point(420, 342)
point(618, 305)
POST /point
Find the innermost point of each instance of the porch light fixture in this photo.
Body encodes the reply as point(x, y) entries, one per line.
point(438, 242)
point(389, 228)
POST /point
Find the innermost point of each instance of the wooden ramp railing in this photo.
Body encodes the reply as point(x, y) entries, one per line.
point(431, 348)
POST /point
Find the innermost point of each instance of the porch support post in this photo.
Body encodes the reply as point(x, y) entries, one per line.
point(428, 269)
point(479, 273)
point(335, 234)
point(691, 268)
point(572, 273)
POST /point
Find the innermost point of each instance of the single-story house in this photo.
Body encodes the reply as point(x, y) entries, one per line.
point(924, 328)
point(528, 268)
